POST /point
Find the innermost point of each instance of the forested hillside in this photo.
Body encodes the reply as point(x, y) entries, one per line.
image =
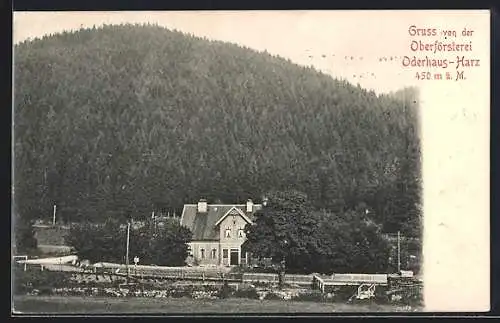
point(119, 120)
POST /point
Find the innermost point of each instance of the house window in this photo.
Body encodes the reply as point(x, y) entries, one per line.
point(202, 251)
point(214, 253)
point(190, 251)
point(224, 253)
point(240, 233)
point(228, 233)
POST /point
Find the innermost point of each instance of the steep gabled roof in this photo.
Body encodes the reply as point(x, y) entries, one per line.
point(205, 226)
point(234, 210)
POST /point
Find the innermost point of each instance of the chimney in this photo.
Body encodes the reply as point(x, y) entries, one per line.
point(249, 206)
point(202, 206)
point(264, 201)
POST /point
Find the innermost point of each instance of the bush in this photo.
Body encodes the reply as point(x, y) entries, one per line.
point(381, 295)
point(412, 297)
point(25, 281)
point(175, 293)
point(45, 291)
point(250, 293)
point(201, 294)
point(273, 296)
point(105, 242)
point(225, 291)
point(309, 297)
point(120, 281)
point(343, 293)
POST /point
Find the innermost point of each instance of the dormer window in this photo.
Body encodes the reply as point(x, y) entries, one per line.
point(240, 233)
point(228, 233)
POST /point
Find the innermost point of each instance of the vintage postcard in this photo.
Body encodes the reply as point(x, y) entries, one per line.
point(250, 162)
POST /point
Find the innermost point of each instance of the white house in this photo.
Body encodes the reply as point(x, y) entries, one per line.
point(218, 231)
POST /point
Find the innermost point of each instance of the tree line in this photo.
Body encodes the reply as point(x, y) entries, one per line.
point(289, 229)
point(308, 240)
point(107, 242)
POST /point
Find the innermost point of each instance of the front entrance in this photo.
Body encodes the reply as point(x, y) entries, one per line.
point(235, 259)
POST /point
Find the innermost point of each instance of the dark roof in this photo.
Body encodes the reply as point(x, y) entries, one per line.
point(203, 225)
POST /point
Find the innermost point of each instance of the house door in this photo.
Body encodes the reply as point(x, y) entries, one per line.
point(235, 259)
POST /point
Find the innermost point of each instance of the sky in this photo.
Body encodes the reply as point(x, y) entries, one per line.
point(363, 47)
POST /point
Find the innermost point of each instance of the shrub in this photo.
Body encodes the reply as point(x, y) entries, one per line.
point(225, 291)
point(24, 281)
point(204, 294)
point(45, 291)
point(175, 293)
point(273, 296)
point(343, 293)
point(381, 296)
point(413, 297)
point(250, 293)
point(309, 297)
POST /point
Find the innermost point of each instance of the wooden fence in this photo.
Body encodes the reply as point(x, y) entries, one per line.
point(320, 282)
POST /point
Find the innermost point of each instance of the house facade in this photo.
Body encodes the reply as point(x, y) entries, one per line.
point(218, 232)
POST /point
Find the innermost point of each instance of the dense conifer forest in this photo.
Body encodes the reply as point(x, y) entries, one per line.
point(120, 120)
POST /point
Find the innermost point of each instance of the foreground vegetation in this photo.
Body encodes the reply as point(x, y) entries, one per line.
point(106, 305)
point(52, 283)
point(165, 246)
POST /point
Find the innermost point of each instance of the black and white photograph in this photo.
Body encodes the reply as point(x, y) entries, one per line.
point(248, 162)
